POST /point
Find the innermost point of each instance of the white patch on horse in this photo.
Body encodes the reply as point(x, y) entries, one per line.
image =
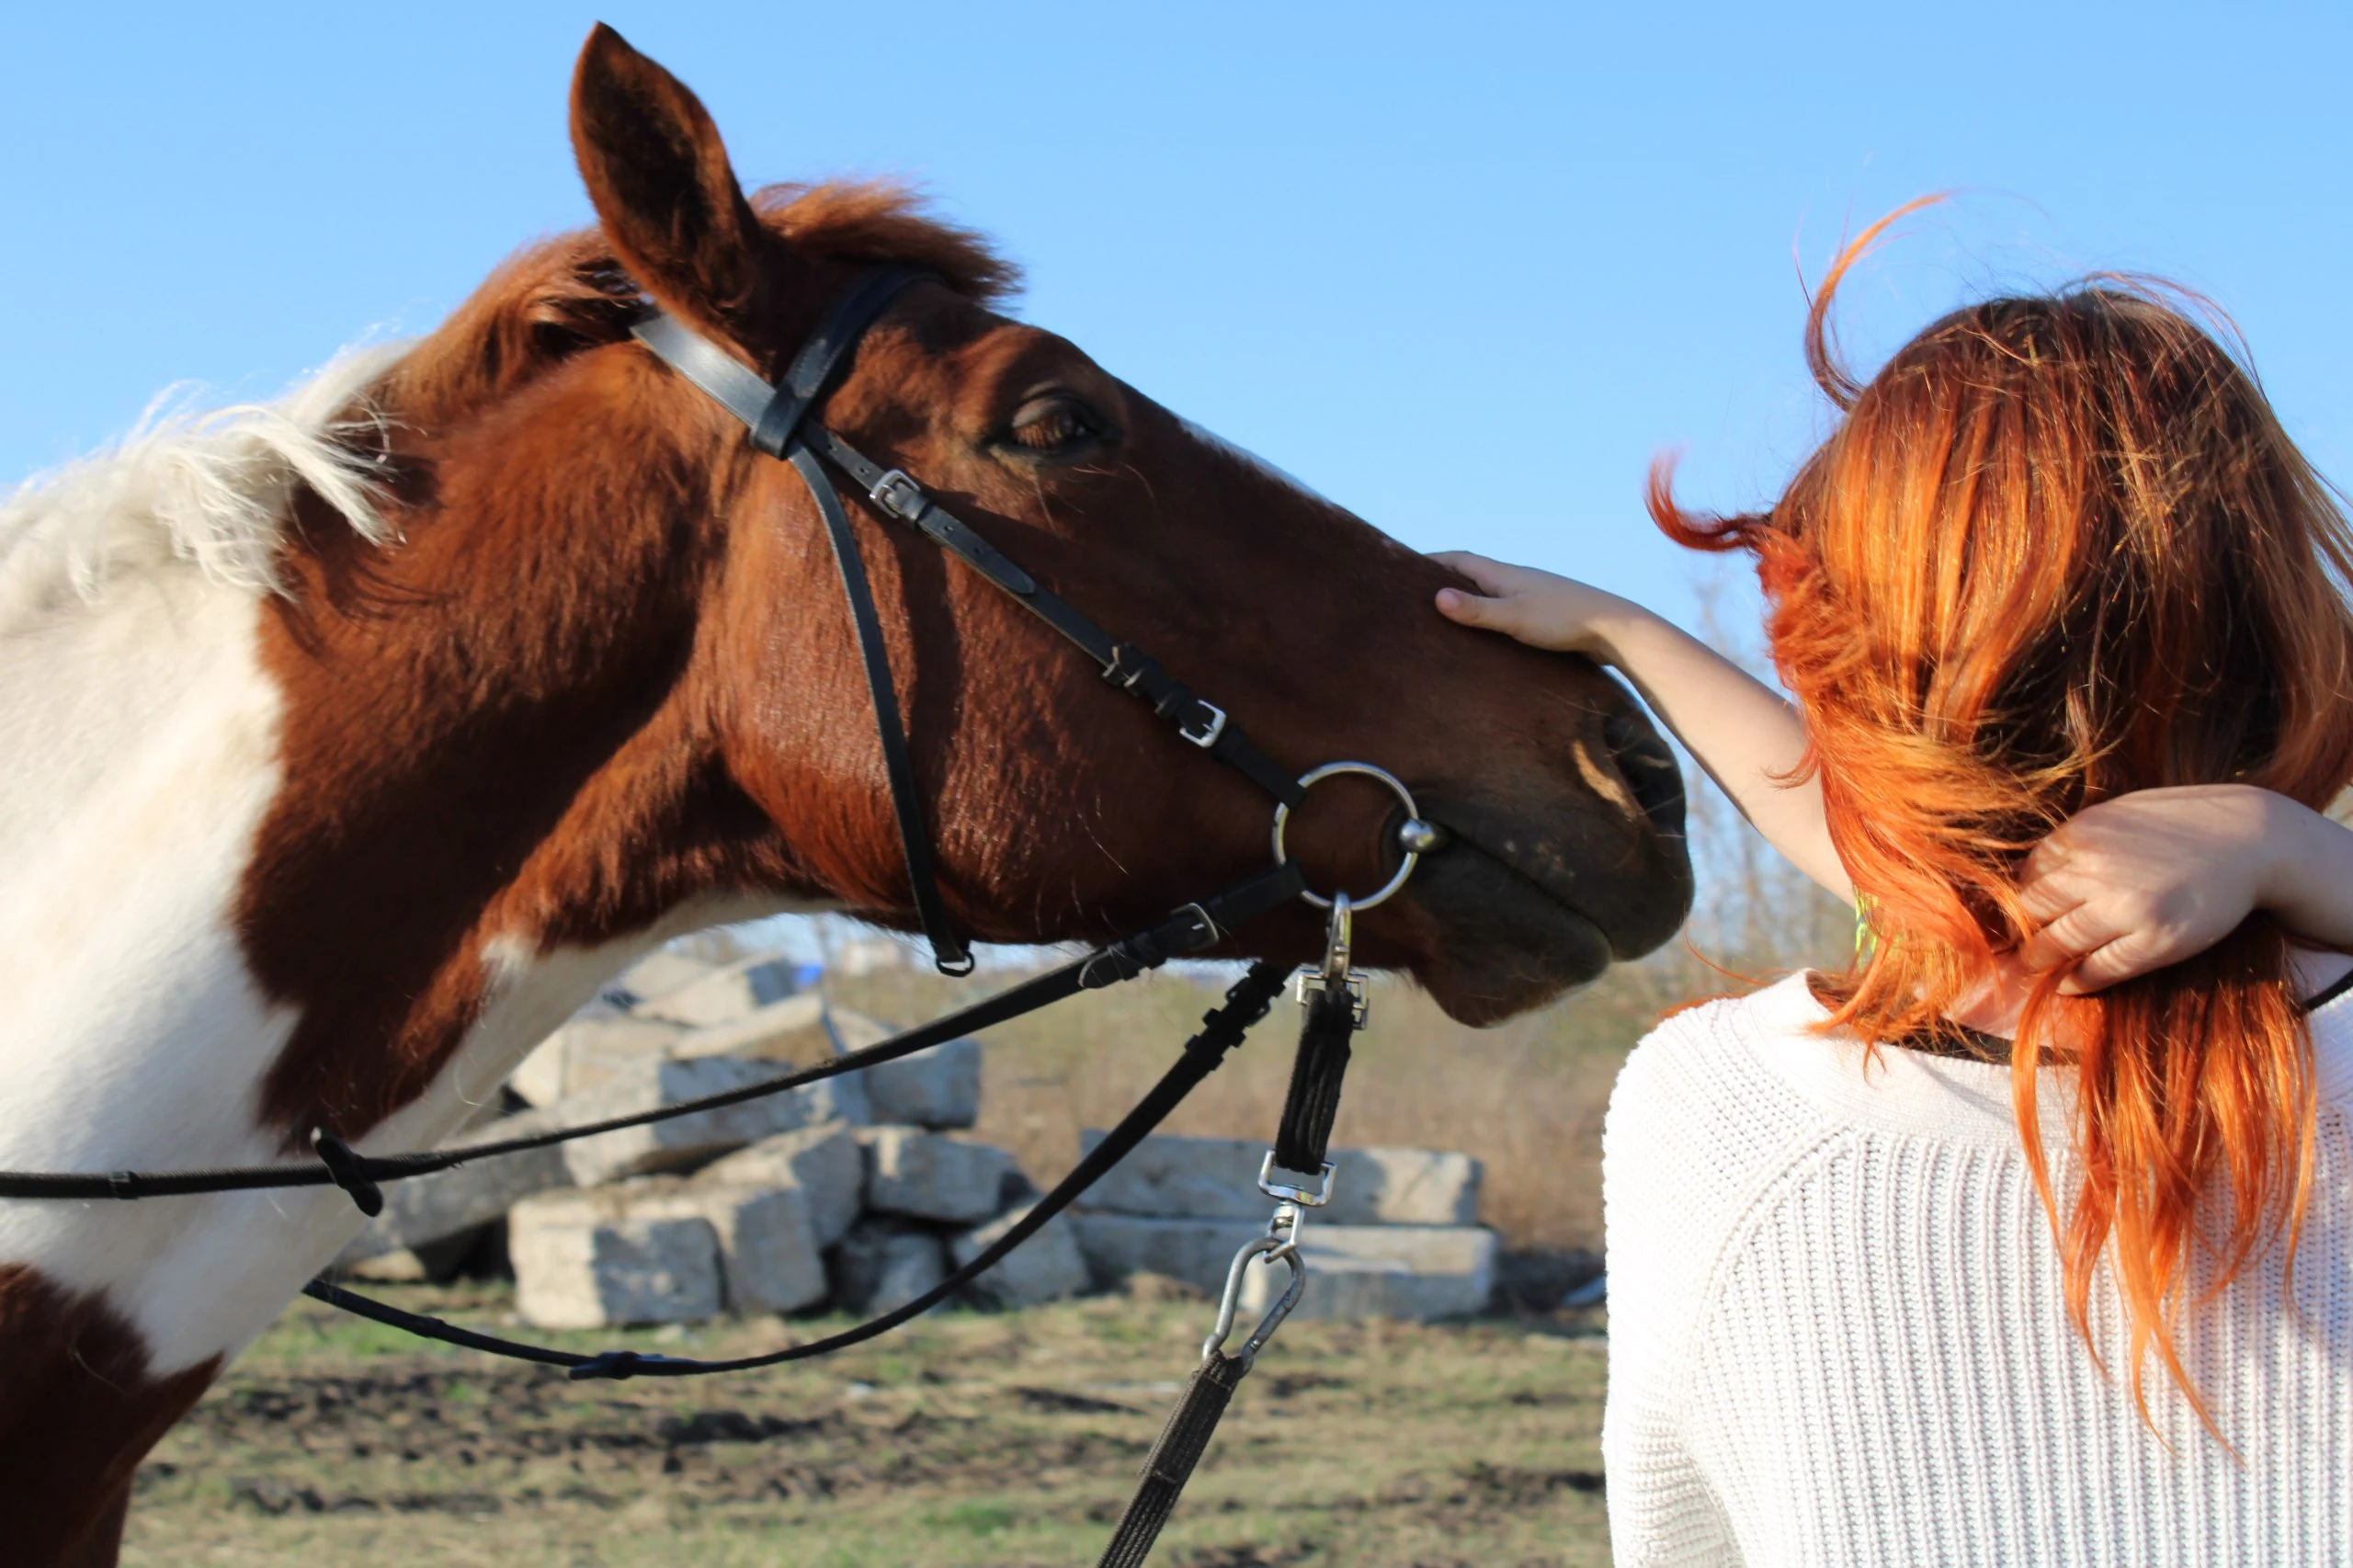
point(143, 744)
point(526, 991)
point(1249, 459)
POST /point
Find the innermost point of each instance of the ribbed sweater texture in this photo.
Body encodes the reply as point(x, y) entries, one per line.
point(1838, 1333)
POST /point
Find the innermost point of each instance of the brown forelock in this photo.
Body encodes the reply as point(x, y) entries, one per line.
point(79, 1406)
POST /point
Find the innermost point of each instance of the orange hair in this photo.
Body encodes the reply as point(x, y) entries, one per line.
point(2057, 549)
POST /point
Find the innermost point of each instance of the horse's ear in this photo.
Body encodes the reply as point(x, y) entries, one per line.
point(659, 177)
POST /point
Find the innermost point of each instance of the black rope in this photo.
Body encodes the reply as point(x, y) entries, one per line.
point(1170, 1464)
point(1222, 1028)
point(1190, 929)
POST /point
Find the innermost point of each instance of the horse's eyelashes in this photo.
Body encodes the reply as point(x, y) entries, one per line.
point(1052, 425)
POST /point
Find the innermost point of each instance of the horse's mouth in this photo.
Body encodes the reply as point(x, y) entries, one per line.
point(1510, 938)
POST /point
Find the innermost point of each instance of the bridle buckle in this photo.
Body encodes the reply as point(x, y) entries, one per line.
point(900, 495)
point(1210, 731)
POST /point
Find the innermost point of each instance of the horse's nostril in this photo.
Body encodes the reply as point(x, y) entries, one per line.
point(1651, 771)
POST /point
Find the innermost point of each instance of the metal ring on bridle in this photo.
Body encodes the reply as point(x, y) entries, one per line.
point(1412, 819)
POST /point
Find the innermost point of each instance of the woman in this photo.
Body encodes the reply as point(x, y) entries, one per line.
point(2028, 1239)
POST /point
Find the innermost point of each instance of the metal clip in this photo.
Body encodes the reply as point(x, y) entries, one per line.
point(1338, 970)
point(1289, 1194)
point(900, 495)
point(1285, 1248)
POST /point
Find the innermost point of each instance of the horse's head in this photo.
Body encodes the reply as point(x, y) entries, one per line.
point(613, 633)
point(1063, 809)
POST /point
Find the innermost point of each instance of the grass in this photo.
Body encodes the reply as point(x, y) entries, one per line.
point(967, 1439)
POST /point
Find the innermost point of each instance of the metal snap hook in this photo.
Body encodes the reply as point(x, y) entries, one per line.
point(1414, 838)
point(1283, 1248)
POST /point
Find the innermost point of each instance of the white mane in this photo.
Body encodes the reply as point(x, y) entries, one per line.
point(207, 489)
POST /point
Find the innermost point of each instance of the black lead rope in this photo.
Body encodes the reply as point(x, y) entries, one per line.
point(1332, 1012)
point(1170, 1466)
point(1189, 930)
point(1221, 1029)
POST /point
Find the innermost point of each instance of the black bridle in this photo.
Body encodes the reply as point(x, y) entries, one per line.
point(778, 417)
point(778, 420)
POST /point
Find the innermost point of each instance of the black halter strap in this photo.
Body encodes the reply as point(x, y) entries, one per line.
point(774, 416)
point(778, 417)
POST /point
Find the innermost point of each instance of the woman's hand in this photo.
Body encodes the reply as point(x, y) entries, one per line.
point(1537, 608)
point(1750, 741)
point(2148, 879)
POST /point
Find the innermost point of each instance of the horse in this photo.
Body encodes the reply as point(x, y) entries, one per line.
point(353, 740)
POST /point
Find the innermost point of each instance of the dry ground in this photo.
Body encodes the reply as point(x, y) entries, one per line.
point(966, 1439)
point(988, 1440)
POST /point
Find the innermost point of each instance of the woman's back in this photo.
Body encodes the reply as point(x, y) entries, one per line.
point(1839, 1332)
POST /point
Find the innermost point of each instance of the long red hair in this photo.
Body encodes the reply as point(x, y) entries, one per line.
point(2060, 549)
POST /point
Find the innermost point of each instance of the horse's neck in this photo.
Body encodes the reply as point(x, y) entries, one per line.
point(146, 739)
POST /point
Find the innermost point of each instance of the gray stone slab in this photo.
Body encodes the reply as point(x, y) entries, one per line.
point(1419, 1273)
point(923, 1175)
point(881, 1266)
point(1046, 1267)
point(579, 1265)
point(686, 1141)
point(768, 1256)
point(938, 1088)
point(724, 995)
point(825, 1162)
point(596, 1044)
point(790, 1030)
point(1209, 1178)
point(657, 974)
point(1196, 1251)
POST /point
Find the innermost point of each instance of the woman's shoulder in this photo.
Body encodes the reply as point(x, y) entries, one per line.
point(1706, 1102)
point(1728, 1051)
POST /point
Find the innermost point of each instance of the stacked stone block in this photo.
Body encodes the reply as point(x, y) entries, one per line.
point(852, 1191)
point(856, 1191)
point(1399, 1238)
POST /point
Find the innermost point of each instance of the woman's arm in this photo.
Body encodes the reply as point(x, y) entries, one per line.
point(1749, 740)
point(2126, 886)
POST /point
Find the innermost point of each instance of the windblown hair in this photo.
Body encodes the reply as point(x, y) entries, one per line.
point(2057, 549)
point(203, 490)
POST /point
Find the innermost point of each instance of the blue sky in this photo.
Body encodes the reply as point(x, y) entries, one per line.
point(1463, 267)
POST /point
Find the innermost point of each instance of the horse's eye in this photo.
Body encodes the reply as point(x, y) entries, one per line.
point(1055, 422)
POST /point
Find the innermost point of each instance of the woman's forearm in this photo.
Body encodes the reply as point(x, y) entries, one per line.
point(2309, 885)
point(1748, 739)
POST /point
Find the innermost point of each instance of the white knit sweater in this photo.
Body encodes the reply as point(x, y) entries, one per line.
point(1838, 1335)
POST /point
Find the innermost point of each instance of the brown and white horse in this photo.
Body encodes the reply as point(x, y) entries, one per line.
point(351, 741)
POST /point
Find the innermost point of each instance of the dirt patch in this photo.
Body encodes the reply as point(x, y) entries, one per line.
point(989, 1441)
